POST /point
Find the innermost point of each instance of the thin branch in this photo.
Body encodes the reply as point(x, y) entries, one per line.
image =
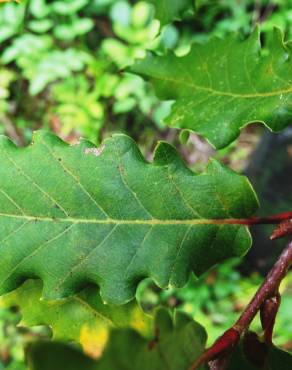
point(268, 289)
point(260, 16)
point(11, 131)
point(224, 345)
point(267, 12)
point(256, 13)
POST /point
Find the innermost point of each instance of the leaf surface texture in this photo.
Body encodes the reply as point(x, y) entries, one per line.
point(223, 85)
point(73, 215)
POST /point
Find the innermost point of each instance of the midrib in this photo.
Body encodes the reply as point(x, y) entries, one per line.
point(107, 221)
point(188, 83)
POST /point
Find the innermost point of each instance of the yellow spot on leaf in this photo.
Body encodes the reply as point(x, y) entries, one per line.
point(139, 322)
point(93, 340)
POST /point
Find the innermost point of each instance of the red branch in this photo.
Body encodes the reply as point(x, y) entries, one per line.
point(268, 288)
point(224, 345)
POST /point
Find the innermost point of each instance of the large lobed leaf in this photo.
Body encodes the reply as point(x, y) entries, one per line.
point(82, 318)
point(223, 85)
point(167, 11)
point(174, 346)
point(70, 215)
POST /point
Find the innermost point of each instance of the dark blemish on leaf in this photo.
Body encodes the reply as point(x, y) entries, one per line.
point(59, 159)
point(95, 151)
point(153, 343)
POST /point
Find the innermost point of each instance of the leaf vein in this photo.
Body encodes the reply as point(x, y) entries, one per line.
point(79, 263)
point(28, 177)
point(34, 252)
point(223, 93)
point(78, 182)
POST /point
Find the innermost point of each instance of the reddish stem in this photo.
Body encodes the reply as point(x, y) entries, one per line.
point(222, 347)
point(274, 219)
point(283, 229)
point(225, 344)
point(267, 289)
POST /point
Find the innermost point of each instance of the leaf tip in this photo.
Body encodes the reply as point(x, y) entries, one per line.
point(166, 154)
point(45, 136)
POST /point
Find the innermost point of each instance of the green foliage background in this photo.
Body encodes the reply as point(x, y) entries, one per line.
point(60, 68)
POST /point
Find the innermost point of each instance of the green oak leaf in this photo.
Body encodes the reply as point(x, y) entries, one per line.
point(73, 215)
point(167, 11)
point(253, 354)
point(82, 318)
point(174, 346)
point(223, 85)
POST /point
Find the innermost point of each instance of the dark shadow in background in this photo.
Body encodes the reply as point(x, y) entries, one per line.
point(270, 172)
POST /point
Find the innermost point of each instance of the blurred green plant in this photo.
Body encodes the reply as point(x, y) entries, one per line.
point(13, 339)
point(68, 54)
point(66, 59)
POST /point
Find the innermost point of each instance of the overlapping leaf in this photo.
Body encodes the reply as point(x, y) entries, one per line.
point(221, 86)
point(70, 215)
point(167, 11)
point(83, 318)
point(174, 346)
